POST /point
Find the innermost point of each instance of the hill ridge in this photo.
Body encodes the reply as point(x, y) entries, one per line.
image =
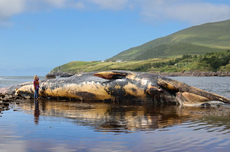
point(200, 39)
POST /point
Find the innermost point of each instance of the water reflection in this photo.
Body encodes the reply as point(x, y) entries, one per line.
point(36, 111)
point(116, 118)
point(77, 126)
point(89, 126)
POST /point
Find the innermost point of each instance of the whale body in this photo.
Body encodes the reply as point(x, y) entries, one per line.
point(116, 85)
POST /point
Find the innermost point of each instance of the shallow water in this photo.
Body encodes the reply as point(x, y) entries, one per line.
point(6, 81)
point(218, 85)
point(53, 126)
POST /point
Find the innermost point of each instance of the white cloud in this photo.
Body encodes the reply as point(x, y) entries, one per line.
point(191, 11)
point(11, 7)
point(41, 5)
point(194, 12)
point(111, 4)
point(57, 3)
point(61, 3)
point(78, 5)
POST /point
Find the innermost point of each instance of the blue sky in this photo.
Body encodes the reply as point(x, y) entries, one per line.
point(38, 35)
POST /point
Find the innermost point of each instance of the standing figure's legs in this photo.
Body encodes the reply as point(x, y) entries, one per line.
point(36, 94)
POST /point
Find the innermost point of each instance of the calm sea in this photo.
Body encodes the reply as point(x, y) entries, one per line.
point(63, 126)
point(6, 81)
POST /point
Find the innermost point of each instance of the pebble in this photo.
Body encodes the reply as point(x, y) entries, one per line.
point(27, 97)
point(6, 104)
point(6, 99)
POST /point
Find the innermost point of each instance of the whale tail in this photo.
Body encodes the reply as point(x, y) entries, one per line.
point(188, 94)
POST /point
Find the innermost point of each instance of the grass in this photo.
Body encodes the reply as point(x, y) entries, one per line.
point(79, 66)
point(212, 61)
point(194, 40)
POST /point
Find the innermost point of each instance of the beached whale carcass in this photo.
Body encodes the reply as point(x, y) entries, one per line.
point(119, 86)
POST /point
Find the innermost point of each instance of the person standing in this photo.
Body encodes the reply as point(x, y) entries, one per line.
point(36, 86)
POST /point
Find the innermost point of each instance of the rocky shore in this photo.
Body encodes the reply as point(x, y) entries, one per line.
point(60, 74)
point(7, 99)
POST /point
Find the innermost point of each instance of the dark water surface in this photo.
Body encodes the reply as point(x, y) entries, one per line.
point(57, 126)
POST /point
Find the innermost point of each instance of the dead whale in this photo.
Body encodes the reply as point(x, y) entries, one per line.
point(119, 86)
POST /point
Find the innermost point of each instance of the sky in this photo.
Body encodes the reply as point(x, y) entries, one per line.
point(39, 35)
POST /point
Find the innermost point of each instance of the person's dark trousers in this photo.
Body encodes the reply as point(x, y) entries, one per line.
point(36, 94)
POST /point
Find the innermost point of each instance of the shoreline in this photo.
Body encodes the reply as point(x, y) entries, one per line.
point(172, 74)
point(7, 99)
point(196, 74)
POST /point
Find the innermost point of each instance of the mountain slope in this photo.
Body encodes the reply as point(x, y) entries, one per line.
point(194, 40)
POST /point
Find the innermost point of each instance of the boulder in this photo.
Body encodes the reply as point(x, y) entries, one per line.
point(49, 76)
point(66, 75)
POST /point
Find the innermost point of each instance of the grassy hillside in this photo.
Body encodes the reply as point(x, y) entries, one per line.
point(214, 61)
point(194, 40)
point(80, 66)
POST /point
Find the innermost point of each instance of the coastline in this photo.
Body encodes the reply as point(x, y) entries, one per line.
point(172, 74)
point(196, 74)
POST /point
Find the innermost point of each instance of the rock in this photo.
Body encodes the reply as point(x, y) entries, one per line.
point(17, 102)
point(2, 95)
point(59, 73)
point(66, 75)
point(8, 97)
point(50, 76)
point(7, 100)
point(6, 104)
point(17, 97)
point(27, 97)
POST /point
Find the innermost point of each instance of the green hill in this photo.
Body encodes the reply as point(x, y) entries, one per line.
point(212, 61)
point(200, 39)
point(81, 66)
